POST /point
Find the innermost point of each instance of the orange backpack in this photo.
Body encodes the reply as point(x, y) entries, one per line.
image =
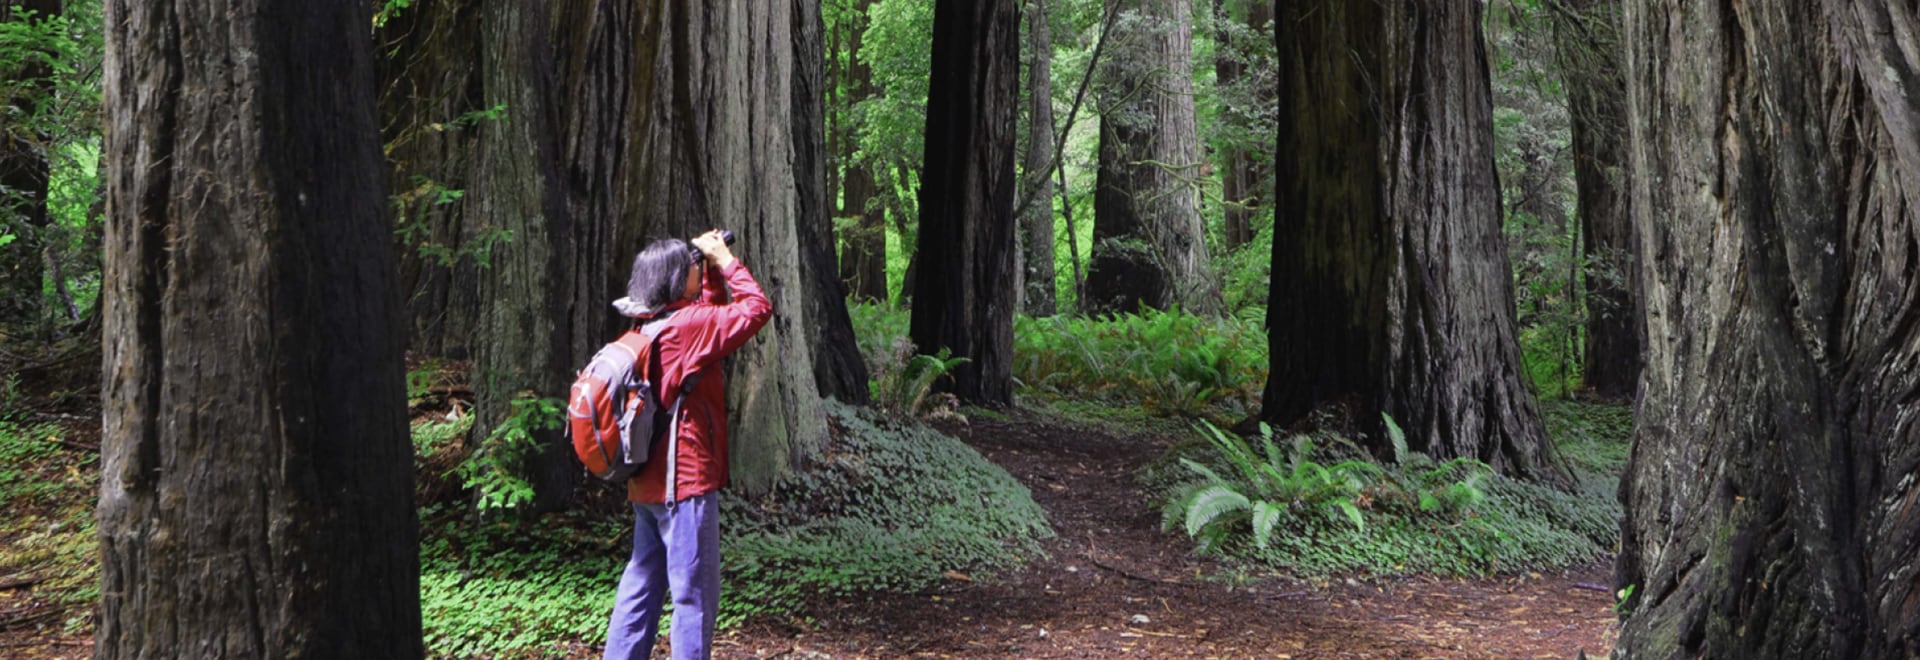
point(614, 409)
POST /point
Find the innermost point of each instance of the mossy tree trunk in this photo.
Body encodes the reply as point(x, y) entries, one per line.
point(1391, 284)
point(963, 298)
point(256, 478)
point(1589, 57)
point(724, 153)
point(1150, 244)
point(1771, 498)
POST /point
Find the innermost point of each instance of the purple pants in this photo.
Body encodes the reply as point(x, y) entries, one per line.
point(675, 548)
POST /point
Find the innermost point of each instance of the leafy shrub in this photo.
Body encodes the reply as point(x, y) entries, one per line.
point(517, 589)
point(1171, 363)
point(1415, 515)
point(891, 506)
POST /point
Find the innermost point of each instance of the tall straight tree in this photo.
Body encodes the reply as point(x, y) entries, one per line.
point(24, 173)
point(1242, 79)
point(256, 492)
point(1392, 291)
point(963, 300)
point(1150, 244)
point(1773, 492)
point(840, 371)
point(1037, 223)
point(1589, 53)
point(864, 264)
point(715, 160)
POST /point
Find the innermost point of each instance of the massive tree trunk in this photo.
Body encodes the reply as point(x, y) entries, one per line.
point(24, 174)
point(521, 343)
point(1392, 291)
point(1243, 174)
point(864, 263)
point(1150, 244)
point(717, 160)
point(256, 490)
point(961, 298)
point(1037, 248)
point(1771, 498)
point(1589, 54)
point(840, 372)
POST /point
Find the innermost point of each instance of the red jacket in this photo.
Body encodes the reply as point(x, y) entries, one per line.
point(697, 337)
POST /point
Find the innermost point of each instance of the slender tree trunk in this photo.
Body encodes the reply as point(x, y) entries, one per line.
point(966, 247)
point(1038, 221)
point(840, 372)
point(1243, 174)
point(1770, 496)
point(1589, 53)
point(1392, 291)
point(1150, 244)
point(24, 175)
point(865, 265)
point(256, 491)
point(716, 161)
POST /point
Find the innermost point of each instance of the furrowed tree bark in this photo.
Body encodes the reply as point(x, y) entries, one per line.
point(1243, 176)
point(429, 90)
point(1771, 499)
point(24, 175)
point(841, 371)
point(1037, 224)
point(1150, 244)
point(722, 155)
point(1392, 292)
point(256, 477)
point(864, 266)
point(962, 300)
point(1589, 54)
point(521, 343)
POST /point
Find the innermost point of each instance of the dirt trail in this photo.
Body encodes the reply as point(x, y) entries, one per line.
point(1114, 585)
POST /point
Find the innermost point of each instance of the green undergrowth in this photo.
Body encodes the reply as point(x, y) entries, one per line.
point(890, 507)
point(1317, 505)
point(1163, 364)
point(48, 536)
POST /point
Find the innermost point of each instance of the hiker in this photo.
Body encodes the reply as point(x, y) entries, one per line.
point(676, 532)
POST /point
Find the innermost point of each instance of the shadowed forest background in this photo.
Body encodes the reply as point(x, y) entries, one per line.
point(1228, 327)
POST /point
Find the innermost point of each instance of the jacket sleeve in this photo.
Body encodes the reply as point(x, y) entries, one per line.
point(723, 328)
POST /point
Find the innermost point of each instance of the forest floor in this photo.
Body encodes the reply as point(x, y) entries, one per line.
point(1114, 585)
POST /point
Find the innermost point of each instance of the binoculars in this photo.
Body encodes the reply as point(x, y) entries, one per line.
point(694, 252)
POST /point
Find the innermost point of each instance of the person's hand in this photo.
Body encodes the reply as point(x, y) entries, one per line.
point(715, 247)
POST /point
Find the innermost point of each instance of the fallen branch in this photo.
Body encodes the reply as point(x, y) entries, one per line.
point(20, 583)
point(1589, 586)
point(25, 617)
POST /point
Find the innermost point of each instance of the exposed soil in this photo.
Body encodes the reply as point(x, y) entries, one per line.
point(1114, 585)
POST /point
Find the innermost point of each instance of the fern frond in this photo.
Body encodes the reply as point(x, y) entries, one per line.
point(1211, 503)
point(1266, 515)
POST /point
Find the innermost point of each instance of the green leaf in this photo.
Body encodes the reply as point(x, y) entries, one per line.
point(1210, 504)
point(1266, 515)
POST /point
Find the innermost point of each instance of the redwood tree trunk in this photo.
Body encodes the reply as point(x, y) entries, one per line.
point(840, 372)
point(1589, 56)
point(962, 300)
point(256, 490)
point(1392, 291)
point(1150, 244)
point(1771, 502)
point(723, 154)
point(1037, 249)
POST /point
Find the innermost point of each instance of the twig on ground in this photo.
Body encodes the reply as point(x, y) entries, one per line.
point(1123, 573)
point(1589, 586)
point(18, 583)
